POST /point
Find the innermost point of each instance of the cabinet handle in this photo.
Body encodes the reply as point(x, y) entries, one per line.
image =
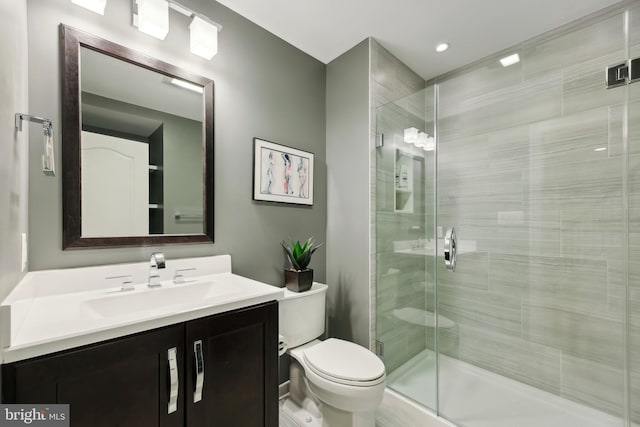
point(199, 364)
point(172, 356)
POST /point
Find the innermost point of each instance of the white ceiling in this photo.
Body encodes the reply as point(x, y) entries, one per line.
point(410, 29)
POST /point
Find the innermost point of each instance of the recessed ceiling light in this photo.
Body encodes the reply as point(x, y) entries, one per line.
point(510, 60)
point(442, 47)
point(601, 149)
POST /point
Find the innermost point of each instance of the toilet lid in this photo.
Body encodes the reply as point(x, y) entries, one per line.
point(344, 362)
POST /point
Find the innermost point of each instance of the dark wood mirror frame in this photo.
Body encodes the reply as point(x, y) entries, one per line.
point(71, 40)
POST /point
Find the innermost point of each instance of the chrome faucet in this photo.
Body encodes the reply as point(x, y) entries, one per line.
point(155, 263)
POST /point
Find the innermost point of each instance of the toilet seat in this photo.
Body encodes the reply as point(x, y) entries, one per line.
point(345, 363)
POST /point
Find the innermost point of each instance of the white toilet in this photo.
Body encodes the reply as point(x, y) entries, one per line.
point(333, 383)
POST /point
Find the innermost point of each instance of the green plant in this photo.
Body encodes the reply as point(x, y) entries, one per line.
point(300, 254)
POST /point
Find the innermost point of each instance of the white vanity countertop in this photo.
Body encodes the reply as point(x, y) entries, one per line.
point(43, 324)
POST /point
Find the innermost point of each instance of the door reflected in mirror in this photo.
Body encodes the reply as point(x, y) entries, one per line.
point(141, 134)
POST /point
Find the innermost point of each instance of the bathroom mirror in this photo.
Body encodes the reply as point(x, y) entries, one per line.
point(137, 147)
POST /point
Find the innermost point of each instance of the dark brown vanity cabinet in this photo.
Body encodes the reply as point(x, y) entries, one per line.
point(232, 358)
point(122, 382)
point(240, 361)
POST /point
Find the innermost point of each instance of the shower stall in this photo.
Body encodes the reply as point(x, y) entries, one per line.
point(507, 234)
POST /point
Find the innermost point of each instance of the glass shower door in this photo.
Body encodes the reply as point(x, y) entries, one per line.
point(530, 172)
point(405, 246)
point(633, 289)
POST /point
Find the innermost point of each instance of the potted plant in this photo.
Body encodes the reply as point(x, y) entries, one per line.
point(299, 277)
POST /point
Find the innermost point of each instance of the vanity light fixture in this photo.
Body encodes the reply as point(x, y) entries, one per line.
point(96, 6)
point(203, 31)
point(411, 135)
point(430, 145)
point(152, 17)
point(442, 47)
point(426, 142)
point(204, 37)
point(422, 139)
point(187, 85)
point(510, 60)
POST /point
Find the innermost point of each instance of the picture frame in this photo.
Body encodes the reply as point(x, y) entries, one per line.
point(282, 174)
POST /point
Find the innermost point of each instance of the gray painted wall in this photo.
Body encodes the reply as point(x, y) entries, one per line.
point(348, 194)
point(264, 88)
point(13, 145)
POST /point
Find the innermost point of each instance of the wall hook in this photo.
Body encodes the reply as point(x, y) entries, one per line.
point(48, 160)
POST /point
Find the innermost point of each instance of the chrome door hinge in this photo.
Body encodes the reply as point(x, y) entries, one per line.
point(622, 74)
point(379, 140)
point(379, 348)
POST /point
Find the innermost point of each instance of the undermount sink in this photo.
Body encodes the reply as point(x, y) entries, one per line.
point(148, 300)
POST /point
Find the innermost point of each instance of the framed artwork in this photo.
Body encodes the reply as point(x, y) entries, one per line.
point(282, 174)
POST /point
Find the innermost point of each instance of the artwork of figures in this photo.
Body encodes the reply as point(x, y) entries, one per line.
point(282, 174)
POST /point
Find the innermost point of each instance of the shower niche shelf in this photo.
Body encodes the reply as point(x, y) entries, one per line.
point(403, 173)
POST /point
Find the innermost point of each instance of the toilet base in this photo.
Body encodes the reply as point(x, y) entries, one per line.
point(292, 415)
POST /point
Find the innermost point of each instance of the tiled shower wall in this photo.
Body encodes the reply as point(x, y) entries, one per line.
point(532, 171)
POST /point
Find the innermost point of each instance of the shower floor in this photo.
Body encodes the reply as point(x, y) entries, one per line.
point(475, 397)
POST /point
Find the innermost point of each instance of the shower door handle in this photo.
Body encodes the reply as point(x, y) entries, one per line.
point(450, 249)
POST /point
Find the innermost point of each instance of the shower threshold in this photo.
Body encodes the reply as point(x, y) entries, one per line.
point(475, 397)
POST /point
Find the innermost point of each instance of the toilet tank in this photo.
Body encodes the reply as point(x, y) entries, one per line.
point(302, 315)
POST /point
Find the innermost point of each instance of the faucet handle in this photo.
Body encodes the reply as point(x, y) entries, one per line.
point(127, 283)
point(157, 260)
point(179, 277)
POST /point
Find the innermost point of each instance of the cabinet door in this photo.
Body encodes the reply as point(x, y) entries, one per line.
point(118, 383)
point(240, 363)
